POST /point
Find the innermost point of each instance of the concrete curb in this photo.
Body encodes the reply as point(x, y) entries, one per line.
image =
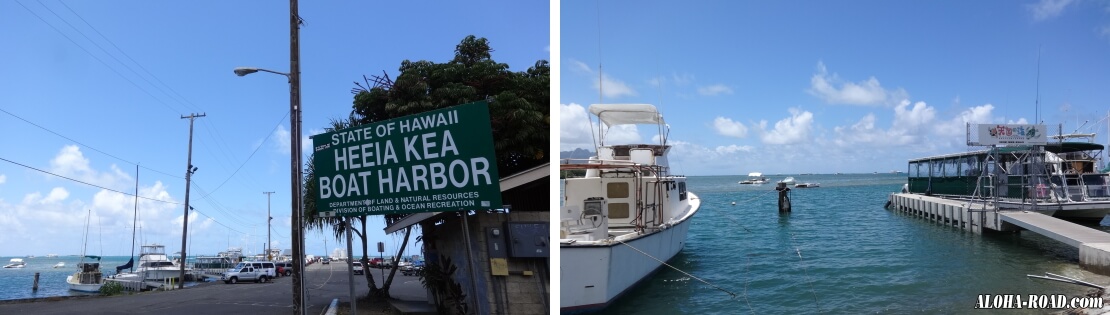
point(334, 307)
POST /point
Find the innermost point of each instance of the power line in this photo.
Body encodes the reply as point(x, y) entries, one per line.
point(106, 51)
point(182, 98)
point(90, 184)
point(97, 58)
point(85, 145)
point(252, 155)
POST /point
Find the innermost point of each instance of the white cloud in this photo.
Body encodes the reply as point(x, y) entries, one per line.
point(727, 127)
point(574, 128)
point(730, 149)
point(713, 90)
point(70, 162)
point(613, 88)
point(622, 134)
point(791, 130)
point(610, 87)
point(830, 89)
point(281, 139)
point(957, 126)
point(1047, 9)
point(3, 178)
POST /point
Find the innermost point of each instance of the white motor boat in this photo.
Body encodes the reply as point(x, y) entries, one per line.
point(155, 265)
point(15, 263)
point(627, 212)
point(755, 178)
point(59, 265)
point(789, 181)
point(88, 277)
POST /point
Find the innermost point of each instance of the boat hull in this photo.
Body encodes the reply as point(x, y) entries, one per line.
point(83, 287)
point(593, 276)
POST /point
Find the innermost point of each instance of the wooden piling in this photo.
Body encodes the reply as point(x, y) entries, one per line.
point(35, 287)
point(784, 197)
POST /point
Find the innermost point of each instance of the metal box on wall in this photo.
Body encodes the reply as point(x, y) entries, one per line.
point(528, 239)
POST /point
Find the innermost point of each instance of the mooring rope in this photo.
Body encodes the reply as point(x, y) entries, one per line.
point(806, 270)
point(679, 270)
point(747, 263)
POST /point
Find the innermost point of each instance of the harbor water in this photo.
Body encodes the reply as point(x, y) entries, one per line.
point(841, 252)
point(17, 283)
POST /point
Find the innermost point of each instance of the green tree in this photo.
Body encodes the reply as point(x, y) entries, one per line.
point(519, 105)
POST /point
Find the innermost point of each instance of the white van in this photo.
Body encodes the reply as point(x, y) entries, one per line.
point(266, 267)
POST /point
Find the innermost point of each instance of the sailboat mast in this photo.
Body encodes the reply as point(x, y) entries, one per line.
point(135, 218)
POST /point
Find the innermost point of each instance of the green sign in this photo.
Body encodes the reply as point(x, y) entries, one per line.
point(441, 160)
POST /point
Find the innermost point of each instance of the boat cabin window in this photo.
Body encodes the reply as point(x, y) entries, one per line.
point(951, 167)
point(682, 191)
point(935, 168)
point(618, 210)
point(616, 190)
point(912, 170)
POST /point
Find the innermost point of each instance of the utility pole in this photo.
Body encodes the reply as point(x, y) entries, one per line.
point(295, 143)
point(189, 169)
point(268, 219)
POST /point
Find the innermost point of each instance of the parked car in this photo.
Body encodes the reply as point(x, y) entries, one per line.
point(326, 261)
point(267, 268)
point(357, 266)
point(376, 262)
point(285, 268)
point(413, 268)
point(247, 273)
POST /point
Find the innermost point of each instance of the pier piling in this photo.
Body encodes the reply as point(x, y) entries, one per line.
point(35, 287)
point(784, 197)
point(1093, 245)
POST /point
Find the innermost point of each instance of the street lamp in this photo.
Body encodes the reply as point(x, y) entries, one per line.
point(295, 181)
point(242, 71)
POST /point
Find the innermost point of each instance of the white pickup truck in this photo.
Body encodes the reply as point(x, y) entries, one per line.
point(244, 274)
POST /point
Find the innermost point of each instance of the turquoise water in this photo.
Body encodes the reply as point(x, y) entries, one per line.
point(18, 283)
point(841, 252)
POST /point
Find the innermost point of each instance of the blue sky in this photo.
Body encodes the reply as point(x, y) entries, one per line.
point(828, 86)
point(110, 80)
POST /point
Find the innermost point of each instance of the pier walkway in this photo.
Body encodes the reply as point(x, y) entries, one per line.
point(1093, 245)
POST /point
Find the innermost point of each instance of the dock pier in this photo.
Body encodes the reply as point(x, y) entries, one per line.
point(975, 216)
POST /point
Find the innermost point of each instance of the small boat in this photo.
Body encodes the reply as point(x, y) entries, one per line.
point(807, 185)
point(755, 178)
point(51, 255)
point(88, 277)
point(789, 181)
point(16, 263)
point(59, 265)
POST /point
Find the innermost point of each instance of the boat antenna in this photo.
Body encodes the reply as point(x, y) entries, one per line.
point(600, 82)
point(135, 218)
point(1037, 101)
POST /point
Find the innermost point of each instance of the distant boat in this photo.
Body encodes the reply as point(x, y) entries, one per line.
point(15, 263)
point(789, 181)
point(60, 264)
point(51, 255)
point(755, 178)
point(807, 185)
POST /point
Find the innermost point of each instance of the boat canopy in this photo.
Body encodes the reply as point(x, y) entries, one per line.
point(626, 114)
point(755, 174)
point(1066, 147)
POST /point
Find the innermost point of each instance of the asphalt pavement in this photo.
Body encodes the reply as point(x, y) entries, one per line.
point(323, 282)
